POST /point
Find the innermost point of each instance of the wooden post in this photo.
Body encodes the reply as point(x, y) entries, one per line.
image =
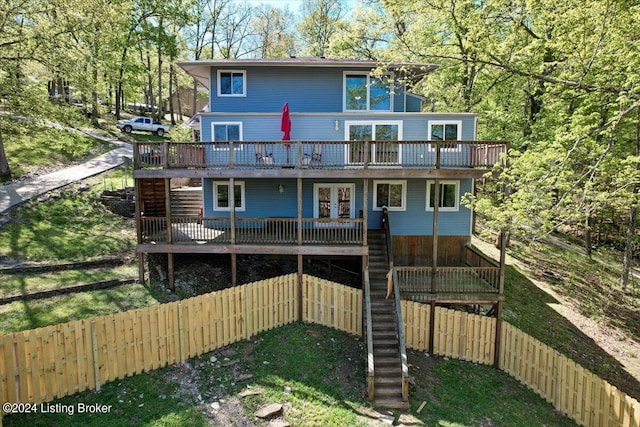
point(234, 269)
point(365, 209)
point(299, 196)
point(96, 354)
point(141, 267)
point(434, 252)
point(300, 273)
point(503, 250)
point(138, 207)
point(232, 218)
point(498, 344)
point(232, 209)
point(167, 198)
point(172, 282)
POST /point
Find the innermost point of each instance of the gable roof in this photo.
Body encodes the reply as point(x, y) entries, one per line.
point(200, 70)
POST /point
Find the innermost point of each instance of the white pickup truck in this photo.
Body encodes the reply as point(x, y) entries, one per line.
point(144, 124)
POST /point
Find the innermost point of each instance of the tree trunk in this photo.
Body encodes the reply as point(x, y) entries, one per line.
point(629, 248)
point(587, 236)
point(171, 89)
point(5, 170)
point(160, 103)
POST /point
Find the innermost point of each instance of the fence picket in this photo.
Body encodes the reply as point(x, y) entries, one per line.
point(52, 362)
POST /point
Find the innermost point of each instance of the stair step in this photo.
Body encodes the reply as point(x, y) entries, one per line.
point(397, 380)
point(394, 403)
point(385, 343)
point(376, 326)
point(388, 391)
point(386, 365)
point(382, 334)
point(386, 351)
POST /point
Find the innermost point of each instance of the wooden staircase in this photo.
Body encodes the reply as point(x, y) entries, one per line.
point(388, 381)
point(186, 201)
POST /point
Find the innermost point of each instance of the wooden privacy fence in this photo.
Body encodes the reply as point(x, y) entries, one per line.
point(43, 364)
point(570, 388)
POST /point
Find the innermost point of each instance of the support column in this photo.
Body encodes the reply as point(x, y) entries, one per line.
point(232, 231)
point(503, 251)
point(138, 213)
point(365, 209)
point(434, 262)
point(167, 206)
point(299, 197)
point(170, 274)
point(300, 273)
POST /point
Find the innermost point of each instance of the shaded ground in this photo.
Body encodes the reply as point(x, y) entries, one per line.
point(574, 310)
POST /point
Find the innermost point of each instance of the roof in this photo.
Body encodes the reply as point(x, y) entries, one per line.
point(200, 70)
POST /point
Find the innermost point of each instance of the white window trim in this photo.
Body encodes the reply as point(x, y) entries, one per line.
point(244, 83)
point(213, 135)
point(403, 207)
point(456, 208)
point(373, 123)
point(369, 77)
point(446, 122)
point(242, 206)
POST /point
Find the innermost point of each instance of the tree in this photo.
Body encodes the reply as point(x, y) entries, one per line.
point(322, 20)
point(272, 34)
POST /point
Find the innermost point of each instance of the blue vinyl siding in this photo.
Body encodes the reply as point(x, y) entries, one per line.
point(266, 127)
point(306, 90)
point(323, 128)
point(264, 200)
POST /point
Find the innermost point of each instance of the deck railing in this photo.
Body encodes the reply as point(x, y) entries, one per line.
point(449, 279)
point(319, 154)
point(196, 229)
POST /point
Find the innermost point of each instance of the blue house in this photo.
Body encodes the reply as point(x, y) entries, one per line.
point(315, 157)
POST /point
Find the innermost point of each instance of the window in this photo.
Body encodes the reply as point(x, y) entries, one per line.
point(226, 131)
point(391, 194)
point(385, 150)
point(221, 196)
point(449, 195)
point(445, 131)
point(363, 92)
point(232, 83)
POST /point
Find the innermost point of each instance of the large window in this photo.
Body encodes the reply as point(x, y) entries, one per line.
point(363, 92)
point(226, 131)
point(391, 194)
point(221, 199)
point(445, 131)
point(385, 149)
point(232, 83)
point(449, 195)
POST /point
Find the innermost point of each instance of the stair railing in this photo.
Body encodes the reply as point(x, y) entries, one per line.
point(370, 362)
point(393, 284)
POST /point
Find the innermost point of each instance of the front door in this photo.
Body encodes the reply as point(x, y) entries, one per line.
point(333, 201)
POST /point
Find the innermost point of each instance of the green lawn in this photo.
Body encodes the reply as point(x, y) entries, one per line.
point(22, 315)
point(75, 226)
point(22, 284)
point(30, 146)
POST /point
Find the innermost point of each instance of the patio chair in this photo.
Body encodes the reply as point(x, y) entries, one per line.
point(313, 159)
point(262, 158)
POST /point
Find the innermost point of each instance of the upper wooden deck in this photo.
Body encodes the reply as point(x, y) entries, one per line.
point(315, 158)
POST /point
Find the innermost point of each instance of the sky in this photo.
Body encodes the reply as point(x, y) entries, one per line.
point(294, 5)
